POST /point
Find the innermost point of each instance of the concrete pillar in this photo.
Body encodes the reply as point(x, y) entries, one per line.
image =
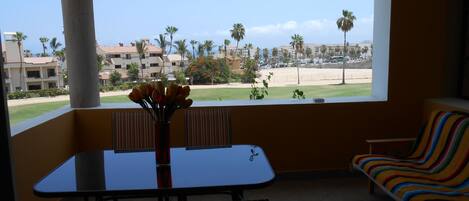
point(80, 42)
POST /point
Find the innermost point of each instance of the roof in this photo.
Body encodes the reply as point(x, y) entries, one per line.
point(128, 49)
point(39, 60)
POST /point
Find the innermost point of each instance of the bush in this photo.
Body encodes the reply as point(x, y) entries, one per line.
point(180, 77)
point(250, 74)
point(206, 70)
point(115, 78)
point(37, 93)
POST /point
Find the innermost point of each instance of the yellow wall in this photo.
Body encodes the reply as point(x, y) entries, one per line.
point(39, 150)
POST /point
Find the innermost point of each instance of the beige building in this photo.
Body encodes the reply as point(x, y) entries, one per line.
point(120, 57)
point(38, 72)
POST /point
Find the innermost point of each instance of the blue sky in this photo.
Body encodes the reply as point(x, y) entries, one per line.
point(268, 23)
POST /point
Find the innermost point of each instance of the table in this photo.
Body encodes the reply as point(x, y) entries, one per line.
point(191, 172)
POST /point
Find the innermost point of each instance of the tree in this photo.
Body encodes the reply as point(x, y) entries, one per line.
point(100, 62)
point(193, 43)
point(201, 50)
point(181, 49)
point(19, 38)
point(265, 55)
point(43, 41)
point(115, 78)
point(365, 51)
point(226, 43)
point(54, 45)
point(238, 32)
point(141, 50)
point(163, 43)
point(297, 45)
point(309, 52)
point(323, 50)
point(345, 24)
point(275, 55)
point(171, 30)
point(132, 72)
point(248, 47)
point(208, 46)
point(257, 54)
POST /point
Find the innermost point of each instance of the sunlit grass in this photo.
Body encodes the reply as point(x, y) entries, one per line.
point(24, 112)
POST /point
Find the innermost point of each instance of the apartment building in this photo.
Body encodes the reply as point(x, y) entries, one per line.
point(120, 57)
point(24, 73)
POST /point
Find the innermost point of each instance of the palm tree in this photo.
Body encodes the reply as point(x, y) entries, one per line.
point(345, 24)
point(238, 33)
point(365, 51)
point(323, 50)
point(171, 30)
point(44, 40)
point(19, 38)
point(181, 48)
point(248, 47)
point(226, 43)
point(141, 50)
point(163, 43)
point(275, 55)
point(309, 52)
point(297, 45)
point(265, 55)
point(193, 43)
point(201, 50)
point(54, 45)
point(208, 46)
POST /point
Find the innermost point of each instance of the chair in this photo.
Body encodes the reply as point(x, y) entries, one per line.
point(436, 168)
point(132, 131)
point(209, 127)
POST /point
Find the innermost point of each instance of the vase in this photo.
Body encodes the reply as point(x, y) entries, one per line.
point(164, 178)
point(162, 143)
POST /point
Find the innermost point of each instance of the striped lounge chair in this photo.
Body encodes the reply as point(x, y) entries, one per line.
point(436, 169)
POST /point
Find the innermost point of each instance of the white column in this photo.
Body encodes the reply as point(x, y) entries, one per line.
point(80, 42)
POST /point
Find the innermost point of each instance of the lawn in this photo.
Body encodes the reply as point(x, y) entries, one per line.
point(21, 113)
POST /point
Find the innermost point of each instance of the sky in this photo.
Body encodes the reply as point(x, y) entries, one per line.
point(268, 23)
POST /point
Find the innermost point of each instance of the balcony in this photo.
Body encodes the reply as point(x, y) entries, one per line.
point(309, 145)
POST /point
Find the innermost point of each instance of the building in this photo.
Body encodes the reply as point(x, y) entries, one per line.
point(37, 72)
point(332, 49)
point(120, 57)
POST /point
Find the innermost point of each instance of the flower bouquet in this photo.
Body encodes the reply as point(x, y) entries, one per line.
point(161, 102)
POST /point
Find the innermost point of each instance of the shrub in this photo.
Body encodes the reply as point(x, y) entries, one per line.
point(115, 78)
point(37, 93)
point(180, 77)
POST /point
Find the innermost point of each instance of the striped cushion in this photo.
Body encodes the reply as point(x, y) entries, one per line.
point(437, 169)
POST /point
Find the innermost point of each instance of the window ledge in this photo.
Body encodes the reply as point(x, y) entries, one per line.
point(31, 123)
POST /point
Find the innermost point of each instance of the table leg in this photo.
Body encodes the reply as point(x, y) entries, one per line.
point(182, 198)
point(237, 195)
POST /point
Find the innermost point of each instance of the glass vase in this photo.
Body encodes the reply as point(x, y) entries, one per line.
point(162, 143)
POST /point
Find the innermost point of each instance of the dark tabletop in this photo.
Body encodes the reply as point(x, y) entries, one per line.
point(191, 171)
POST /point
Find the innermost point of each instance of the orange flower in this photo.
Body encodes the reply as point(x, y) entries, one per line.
point(187, 103)
point(136, 96)
point(158, 98)
point(184, 91)
point(160, 88)
point(171, 92)
point(147, 90)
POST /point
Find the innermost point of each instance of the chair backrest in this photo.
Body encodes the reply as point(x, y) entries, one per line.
point(132, 131)
point(208, 127)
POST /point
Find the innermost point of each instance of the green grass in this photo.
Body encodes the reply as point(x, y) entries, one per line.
point(24, 112)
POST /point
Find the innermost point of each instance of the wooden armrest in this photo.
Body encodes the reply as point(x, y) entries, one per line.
point(394, 140)
point(383, 142)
